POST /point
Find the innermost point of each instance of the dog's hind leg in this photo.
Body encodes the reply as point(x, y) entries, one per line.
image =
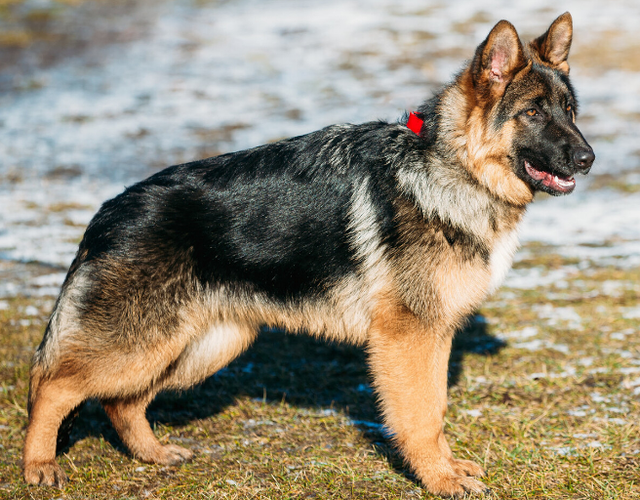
point(128, 417)
point(53, 401)
point(215, 348)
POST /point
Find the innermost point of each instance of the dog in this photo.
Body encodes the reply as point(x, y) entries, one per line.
point(386, 235)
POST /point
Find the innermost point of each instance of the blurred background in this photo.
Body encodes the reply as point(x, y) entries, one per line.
point(97, 94)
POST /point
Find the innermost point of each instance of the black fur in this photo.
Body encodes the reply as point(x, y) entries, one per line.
point(273, 218)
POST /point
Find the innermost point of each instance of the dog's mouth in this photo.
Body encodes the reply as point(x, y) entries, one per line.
point(558, 183)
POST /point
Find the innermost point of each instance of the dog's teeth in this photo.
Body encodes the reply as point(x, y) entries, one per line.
point(564, 182)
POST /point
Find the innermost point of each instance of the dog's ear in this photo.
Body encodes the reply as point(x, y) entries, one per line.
point(498, 59)
point(553, 47)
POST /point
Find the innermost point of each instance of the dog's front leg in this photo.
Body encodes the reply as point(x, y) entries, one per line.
point(409, 362)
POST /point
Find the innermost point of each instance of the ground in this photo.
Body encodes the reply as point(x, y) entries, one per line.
point(544, 394)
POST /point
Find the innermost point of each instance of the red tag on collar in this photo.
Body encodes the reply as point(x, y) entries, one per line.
point(414, 123)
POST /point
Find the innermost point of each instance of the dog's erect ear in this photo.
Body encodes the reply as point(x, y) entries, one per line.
point(553, 47)
point(498, 59)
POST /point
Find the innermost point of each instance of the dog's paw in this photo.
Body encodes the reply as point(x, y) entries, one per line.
point(45, 473)
point(444, 480)
point(471, 485)
point(456, 486)
point(172, 454)
point(467, 468)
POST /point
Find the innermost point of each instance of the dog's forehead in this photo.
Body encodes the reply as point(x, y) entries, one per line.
point(540, 84)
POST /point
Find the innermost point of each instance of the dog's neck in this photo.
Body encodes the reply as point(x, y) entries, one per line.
point(441, 189)
point(455, 125)
point(447, 185)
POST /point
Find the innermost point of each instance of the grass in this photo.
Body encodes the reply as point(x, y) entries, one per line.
point(542, 395)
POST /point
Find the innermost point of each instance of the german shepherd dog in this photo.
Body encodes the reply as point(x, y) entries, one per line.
point(374, 234)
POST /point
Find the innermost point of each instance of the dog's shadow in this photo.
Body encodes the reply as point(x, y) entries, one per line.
point(303, 371)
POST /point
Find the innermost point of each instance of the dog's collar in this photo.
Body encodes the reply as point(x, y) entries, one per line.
point(415, 123)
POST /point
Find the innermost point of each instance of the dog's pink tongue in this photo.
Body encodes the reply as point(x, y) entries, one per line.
point(562, 184)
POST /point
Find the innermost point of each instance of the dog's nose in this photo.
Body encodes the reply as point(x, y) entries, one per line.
point(583, 158)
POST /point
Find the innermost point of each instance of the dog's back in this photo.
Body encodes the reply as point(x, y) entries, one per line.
point(278, 226)
point(174, 276)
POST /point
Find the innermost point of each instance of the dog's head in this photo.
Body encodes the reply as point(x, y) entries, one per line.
point(521, 133)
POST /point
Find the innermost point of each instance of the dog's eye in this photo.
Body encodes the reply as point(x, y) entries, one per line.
point(569, 108)
point(532, 112)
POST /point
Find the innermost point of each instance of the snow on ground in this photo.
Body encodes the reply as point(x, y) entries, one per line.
point(215, 77)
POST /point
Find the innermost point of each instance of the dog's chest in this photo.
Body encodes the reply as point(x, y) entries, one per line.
point(502, 257)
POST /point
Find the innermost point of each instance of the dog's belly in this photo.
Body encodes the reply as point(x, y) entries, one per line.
point(219, 327)
point(208, 353)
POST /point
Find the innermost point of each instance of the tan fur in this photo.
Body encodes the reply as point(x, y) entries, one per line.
point(53, 401)
point(409, 361)
point(450, 286)
point(128, 418)
point(488, 161)
point(483, 150)
point(461, 286)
